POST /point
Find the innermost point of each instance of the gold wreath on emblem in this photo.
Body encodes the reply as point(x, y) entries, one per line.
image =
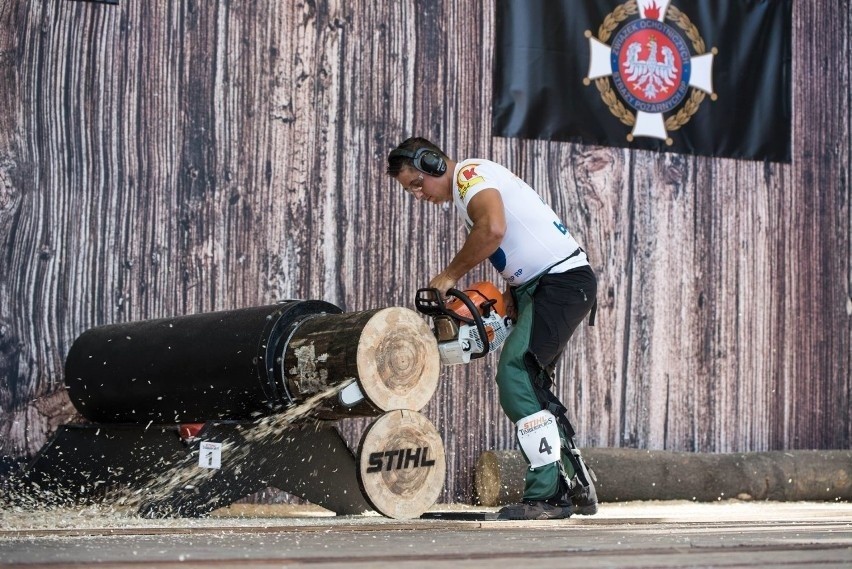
point(681, 20)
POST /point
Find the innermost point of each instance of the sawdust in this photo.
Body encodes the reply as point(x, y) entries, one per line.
point(20, 496)
point(151, 501)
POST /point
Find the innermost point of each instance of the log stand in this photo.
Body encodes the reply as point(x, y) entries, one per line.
point(261, 385)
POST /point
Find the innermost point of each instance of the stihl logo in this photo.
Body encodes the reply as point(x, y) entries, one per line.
point(535, 423)
point(399, 459)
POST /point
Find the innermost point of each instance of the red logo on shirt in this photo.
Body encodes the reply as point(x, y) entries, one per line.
point(467, 178)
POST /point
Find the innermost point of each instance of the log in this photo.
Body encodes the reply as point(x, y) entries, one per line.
point(633, 474)
point(390, 353)
point(401, 464)
point(186, 369)
point(253, 362)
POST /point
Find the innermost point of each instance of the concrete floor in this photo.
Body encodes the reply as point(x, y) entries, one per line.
point(637, 534)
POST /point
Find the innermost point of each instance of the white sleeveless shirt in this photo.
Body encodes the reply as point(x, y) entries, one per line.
point(535, 237)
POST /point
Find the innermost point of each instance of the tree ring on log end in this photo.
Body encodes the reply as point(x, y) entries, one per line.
point(398, 360)
point(401, 464)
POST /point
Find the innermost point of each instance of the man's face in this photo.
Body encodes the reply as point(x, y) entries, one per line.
point(424, 187)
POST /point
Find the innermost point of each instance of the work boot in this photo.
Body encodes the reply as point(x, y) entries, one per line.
point(584, 498)
point(535, 510)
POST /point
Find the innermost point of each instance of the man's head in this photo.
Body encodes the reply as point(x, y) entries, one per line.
point(422, 169)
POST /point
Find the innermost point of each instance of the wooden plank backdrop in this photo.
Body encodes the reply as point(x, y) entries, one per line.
point(160, 158)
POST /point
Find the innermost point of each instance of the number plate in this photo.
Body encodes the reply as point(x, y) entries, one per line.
point(539, 438)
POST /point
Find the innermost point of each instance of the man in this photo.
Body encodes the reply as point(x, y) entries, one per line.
point(550, 289)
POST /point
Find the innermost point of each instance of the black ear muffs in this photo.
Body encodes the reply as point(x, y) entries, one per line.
point(425, 160)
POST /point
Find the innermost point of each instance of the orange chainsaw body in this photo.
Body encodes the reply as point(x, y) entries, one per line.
point(481, 294)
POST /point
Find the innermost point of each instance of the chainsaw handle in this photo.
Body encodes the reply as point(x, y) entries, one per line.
point(428, 301)
point(477, 320)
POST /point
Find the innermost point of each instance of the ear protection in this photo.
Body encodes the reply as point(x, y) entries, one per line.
point(425, 160)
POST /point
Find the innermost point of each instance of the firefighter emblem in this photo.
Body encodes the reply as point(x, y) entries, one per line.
point(651, 67)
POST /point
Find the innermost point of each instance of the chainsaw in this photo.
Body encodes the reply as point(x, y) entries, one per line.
point(469, 325)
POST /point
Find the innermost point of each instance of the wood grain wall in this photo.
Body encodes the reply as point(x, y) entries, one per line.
point(162, 157)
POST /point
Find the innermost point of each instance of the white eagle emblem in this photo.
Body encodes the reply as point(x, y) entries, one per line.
point(651, 66)
point(650, 75)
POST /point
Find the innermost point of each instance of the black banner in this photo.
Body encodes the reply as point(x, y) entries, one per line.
point(706, 77)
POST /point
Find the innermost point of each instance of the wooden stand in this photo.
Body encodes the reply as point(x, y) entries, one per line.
point(399, 470)
point(294, 365)
point(156, 473)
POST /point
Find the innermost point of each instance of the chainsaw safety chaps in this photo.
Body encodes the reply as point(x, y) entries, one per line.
point(549, 310)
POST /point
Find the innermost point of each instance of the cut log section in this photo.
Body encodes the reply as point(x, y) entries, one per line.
point(633, 474)
point(390, 354)
point(401, 464)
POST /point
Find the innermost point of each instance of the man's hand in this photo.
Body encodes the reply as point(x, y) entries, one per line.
point(443, 282)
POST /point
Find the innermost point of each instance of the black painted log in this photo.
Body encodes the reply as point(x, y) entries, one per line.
point(632, 474)
point(247, 363)
point(195, 368)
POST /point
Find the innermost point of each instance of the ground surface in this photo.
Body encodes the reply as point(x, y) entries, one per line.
point(636, 534)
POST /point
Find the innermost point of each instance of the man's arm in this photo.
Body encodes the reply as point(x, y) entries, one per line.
point(489, 225)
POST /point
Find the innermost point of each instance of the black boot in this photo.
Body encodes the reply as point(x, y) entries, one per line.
point(536, 510)
point(584, 498)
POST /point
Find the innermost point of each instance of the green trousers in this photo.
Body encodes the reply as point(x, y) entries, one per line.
point(549, 310)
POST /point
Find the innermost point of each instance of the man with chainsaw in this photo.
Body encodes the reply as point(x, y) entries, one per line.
point(550, 290)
